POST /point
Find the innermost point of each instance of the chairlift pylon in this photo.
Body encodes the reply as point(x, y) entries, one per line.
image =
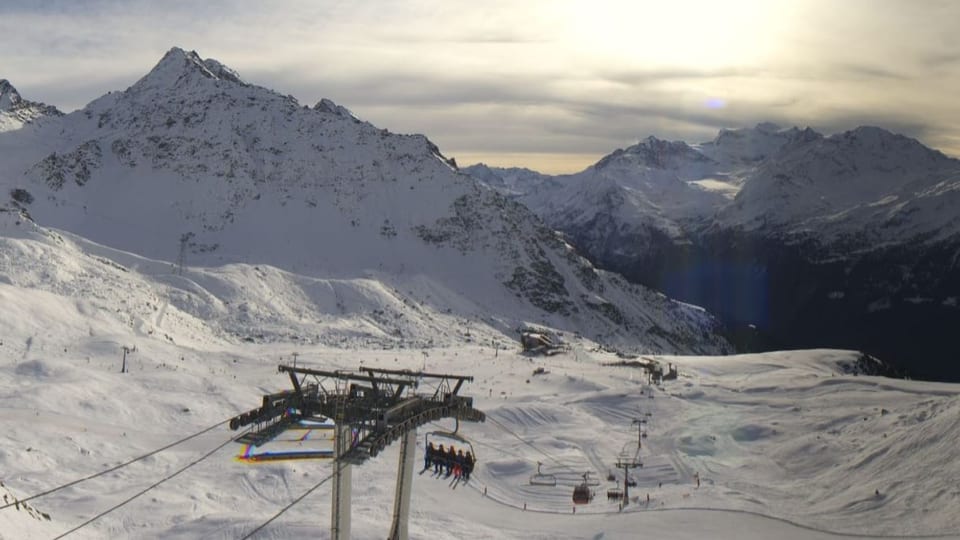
point(542, 479)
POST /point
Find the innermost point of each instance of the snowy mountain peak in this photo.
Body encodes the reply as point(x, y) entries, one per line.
point(750, 145)
point(179, 67)
point(848, 180)
point(768, 127)
point(9, 97)
point(654, 153)
point(881, 141)
point(864, 152)
point(16, 111)
point(328, 106)
point(807, 134)
point(761, 130)
point(221, 71)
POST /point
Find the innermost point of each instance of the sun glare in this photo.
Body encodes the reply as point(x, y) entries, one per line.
point(693, 34)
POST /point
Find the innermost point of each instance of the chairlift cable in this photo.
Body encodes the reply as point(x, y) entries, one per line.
point(486, 444)
point(148, 488)
point(531, 445)
point(287, 507)
point(115, 467)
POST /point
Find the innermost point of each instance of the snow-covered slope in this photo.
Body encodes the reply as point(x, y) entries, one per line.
point(652, 187)
point(193, 166)
point(786, 445)
point(785, 181)
point(741, 148)
point(868, 183)
point(648, 187)
point(849, 240)
point(16, 111)
point(509, 180)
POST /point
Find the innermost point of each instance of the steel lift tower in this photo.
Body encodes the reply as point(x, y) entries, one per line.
point(371, 408)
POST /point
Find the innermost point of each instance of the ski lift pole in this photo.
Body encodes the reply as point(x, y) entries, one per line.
point(639, 422)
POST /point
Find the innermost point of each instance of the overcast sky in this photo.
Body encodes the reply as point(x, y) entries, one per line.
point(548, 84)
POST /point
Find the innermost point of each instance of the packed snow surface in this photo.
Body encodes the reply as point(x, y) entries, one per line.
point(788, 445)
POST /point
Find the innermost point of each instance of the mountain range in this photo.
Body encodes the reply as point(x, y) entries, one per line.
point(194, 168)
point(792, 238)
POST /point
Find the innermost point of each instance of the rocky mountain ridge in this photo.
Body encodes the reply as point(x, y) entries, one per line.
point(793, 238)
point(193, 166)
point(16, 111)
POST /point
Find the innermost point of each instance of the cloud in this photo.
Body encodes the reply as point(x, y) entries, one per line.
point(535, 78)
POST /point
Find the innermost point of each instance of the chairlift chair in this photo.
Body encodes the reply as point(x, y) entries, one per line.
point(542, 479)
point(615, 494)
point(448, 438)
point(582, 494)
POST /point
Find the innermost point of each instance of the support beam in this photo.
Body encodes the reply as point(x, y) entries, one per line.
point(401, 503)
point(296, 384)
point(626, 465)
point(340, 502)
point(342, 375)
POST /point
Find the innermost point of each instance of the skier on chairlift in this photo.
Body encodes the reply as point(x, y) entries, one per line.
point(458, 464)
point(451, 459)
point(438, 460)
point(428, 456)
point(468, 462)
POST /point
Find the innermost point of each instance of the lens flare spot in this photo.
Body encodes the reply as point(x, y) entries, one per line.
point(715, 103)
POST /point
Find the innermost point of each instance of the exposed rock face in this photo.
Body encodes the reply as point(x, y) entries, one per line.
point(16, 111)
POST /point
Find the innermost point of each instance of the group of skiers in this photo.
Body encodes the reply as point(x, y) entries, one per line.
point(455, 462)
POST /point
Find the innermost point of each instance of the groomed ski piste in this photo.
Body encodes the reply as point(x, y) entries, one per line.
point(785, 445)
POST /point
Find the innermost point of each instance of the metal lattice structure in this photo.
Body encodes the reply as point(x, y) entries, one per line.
point(379, 405)
point(371, 409)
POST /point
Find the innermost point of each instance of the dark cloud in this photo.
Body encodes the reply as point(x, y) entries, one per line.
point(867, 72)
point(936, 60)
point(646, 76)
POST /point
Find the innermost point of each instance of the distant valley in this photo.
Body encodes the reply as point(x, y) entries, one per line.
point(792, 238)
